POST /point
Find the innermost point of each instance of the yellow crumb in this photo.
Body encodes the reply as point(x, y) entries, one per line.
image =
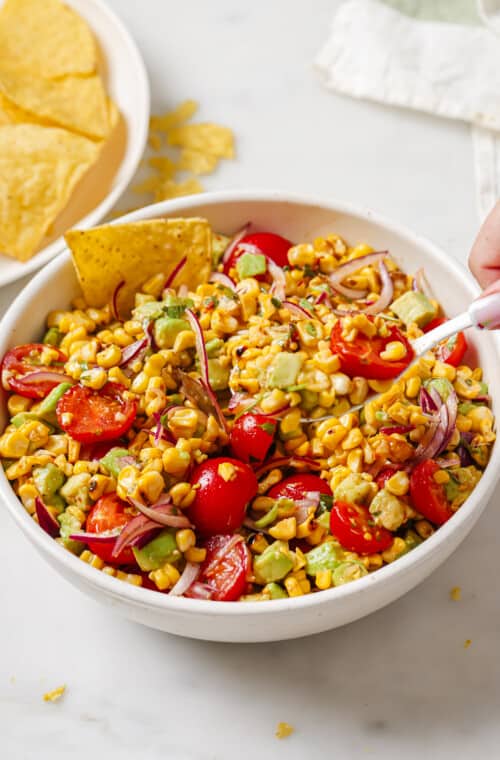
point(197, 161)
point(456, 593)
point(154, 141)
point(174, 118)
point(467, 643)
point(283, 730)
point(170, 189)
point(55, 694)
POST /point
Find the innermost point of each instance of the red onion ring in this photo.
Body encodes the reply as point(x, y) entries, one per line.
point(188, 577)
point(161, 513)
point(106, 537)
point(46, 376)
point(298, 310)
point(386, 293)
point(278, 288)
point(175, 271)
point(46, 520)
point(348, 268)
point(114, 300)
point(232, 245)
point(222, 279)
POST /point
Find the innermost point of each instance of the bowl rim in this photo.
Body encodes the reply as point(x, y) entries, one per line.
point(131, 157)
point(147, 598)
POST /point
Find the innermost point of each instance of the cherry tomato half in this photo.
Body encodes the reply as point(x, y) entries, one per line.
point(89, 416)
point(427, 496)
point(252, 437)
point(296, 486)
point(452, 350)
point(274, 246)
point(353, 526)
point(225, 488)
point(227, 576)
point(361, 357)
point(109, 513)
point(23, 360)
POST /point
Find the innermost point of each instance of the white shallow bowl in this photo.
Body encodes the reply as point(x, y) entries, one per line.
point(127, 83)
point(298, 218)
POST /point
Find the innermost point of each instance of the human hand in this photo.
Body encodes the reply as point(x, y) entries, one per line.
point(484, 259)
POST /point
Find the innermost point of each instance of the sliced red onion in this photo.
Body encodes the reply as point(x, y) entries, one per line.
point(134, 351)
point(200, 591)
point(399, 429)
point(233, 244)
point(133, 532)
point(426, 402)
point(418, 280)
point(348, 268)
point(175, 271)
point(303, 506)
point(46, 520)
point(465, 457)
point(162, 514)
point(114, 300)
point(298, 311)
point(196, 392)
point(451, 461)
point(222, 279)
point(240, 401)
point(106, 537)
point(220, 554)
point(46, 376)
point(287, 462)
point(188, 577)
point(386, 293)
point(161, 432)
point(278, 288)
point(182, 290)
point(441, 427)
point(324, 298)
point(126, 461)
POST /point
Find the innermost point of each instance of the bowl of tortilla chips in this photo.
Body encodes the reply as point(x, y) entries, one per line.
point(74, 114)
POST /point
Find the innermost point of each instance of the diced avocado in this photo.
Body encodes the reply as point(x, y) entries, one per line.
point(166, 330)
point(310, 399)
point(347, 572)
point(48, 480)
point(76, 490)
point(275, 591)
point(441, 385)
point(353, 489)
point(149, 310)
point(21, 417)
point(212, 347)
point(268, 518)
point(387, 510)
point(69, 524)
point(480, 454)
point(326, 556)
point(52, 337)
point(324, 520)
point(112, 460)
point(218, 375)
point(47, 409)
point(273, 564)
point(412, 540)
point(451, 488)
point(219, 245)
point(57, 502)
point(466, 407)
point(461, 483)
point(284, 370)
point(176, 306)
point(161, 549)
point(251, 265)
point(414, 306)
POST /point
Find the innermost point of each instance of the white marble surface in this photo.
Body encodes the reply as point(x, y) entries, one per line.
point(397, 684)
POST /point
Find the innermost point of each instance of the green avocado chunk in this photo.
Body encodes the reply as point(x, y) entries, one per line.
point(274, 563)
point(166, 330)
point(52, 337)
point(47, 409)
point(414, 306)
point(275, 591)
point(212, 347)
point(218, 375)
point(441, 385)
point(69, 524)
point(251, 265)
point(323, 557)
point(163, 548)
point(347, 572)
point(21, 417)
point(354, 488)
point(76, 490)
point(284, 370)
point(48, 480)
point(111, 460)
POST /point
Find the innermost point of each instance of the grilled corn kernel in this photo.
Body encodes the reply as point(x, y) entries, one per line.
point(36, 432)
point(175, 462)
point(441, 369)
point(140, 383)
point(116, 375)
point(413, 387)
point(151, 485)
point(441, 476)
point(28, 493)
point(259, 544)
point(73, 450)
point(94, 378)
point(380, 386)
point(14, 445)
point(182, 495)
point(154, 365)
point(132, 578)
point(165, 577)
point(185, 539)
point(290, 423)
point(424, 528)
point(464, 424)
point(16, 404)
point(184, 340)
point(353, 439)
point(183, 422)
point(99, 485)
point(324, 579)
point(293, 586)
point(127, 483)
point(341, 384)
point(284, 530)
point(396, 550)
point(302, 255)
point(481, 419)
point(273, 401)
point(327, 362)
point(398, 484)
point(359, 390)
point(195, 554)
point(373, 561)
point(109, 357)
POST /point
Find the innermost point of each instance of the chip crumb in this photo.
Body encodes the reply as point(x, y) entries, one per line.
point(456, 593)
point(467, 643)
point(154, 141)
point(55, 694)
point(283, 730)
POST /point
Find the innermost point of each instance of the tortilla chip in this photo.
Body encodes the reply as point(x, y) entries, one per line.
point(39, 169)
point(132, 253)
point(174, 118)
point(77, 103)
point(46, 38)
point(197, 162)
point(206, 138)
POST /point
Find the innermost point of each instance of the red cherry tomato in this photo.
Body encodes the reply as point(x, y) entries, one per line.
point(109, 513)
point(361, 357)
point(427, 496)
point(274, 246)
point(353, 526)
point(225, 573)
point(296, 486)
point(23, 360)
point(452, 350)
point(219, 506)
point(252, 437)
point(95, 415)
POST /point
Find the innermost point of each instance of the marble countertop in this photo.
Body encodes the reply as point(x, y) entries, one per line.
point(397, 684)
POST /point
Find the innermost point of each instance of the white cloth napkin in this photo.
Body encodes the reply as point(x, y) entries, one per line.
point(447, 69)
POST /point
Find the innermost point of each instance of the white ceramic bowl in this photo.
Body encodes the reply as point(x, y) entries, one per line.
point(127, 82)
point(299, 219)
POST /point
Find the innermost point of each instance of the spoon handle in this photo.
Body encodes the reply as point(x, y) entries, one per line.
point(451, 327)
